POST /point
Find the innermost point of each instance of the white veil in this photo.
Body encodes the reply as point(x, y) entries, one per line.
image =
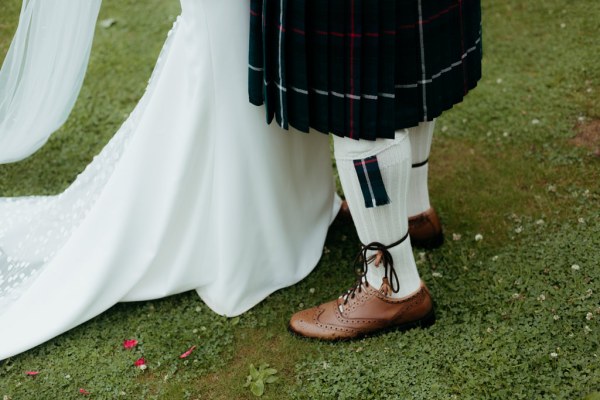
point(43, 72)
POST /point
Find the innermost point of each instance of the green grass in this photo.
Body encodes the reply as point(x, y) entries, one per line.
point(504, 304)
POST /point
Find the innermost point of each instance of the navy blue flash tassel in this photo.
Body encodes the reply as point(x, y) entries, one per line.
point(371, 182)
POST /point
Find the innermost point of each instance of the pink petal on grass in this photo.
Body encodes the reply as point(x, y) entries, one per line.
point(140, 362)
point(84, 392)
point(187, 353)
point(32, 373)
point(130, 343)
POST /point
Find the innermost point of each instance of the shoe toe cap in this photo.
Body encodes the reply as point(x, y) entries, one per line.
point(304, 323)
point(319, 323)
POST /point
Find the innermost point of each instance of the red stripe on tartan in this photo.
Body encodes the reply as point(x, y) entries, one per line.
point(295, 30)
point(299, 31)
point(341, 34)
point(376, 34)
point(365, 161)
point(358, 35)
point(323, 33)
point(431, 19)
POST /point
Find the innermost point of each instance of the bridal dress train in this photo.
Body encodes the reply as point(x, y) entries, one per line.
point(194, 191)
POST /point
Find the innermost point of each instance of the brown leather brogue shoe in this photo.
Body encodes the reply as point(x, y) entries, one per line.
point(364, 311)
point(425, 230)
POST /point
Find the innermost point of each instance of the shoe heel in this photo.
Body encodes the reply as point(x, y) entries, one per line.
point(428, 319)
point(430, 243)
point(425, 322)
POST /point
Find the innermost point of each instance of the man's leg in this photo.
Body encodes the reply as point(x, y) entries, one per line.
point(389, 294)
point(424, 224)
point(383, 223)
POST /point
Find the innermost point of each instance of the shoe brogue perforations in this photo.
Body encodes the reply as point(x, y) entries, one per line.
point(328, 322)
point(426, 230)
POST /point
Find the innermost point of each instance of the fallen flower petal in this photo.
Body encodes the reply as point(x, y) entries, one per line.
point(107, 23)
point(187, 353)
point(32, 373)
point(84, 392)
point(130, 343)
point(140, 362)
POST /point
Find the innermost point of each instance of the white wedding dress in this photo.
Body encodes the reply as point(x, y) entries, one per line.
point(194, 191)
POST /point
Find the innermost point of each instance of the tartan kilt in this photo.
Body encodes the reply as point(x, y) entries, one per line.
point(362, 68)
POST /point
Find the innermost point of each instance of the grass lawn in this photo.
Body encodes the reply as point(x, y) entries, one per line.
point(518, 311)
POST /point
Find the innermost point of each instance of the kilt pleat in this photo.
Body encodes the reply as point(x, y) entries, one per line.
point(362, 68)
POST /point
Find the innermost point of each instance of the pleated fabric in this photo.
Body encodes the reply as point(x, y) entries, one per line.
point(362, 68)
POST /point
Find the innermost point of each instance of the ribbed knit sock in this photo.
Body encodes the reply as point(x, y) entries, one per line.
point(387, 223)
point(418, 192)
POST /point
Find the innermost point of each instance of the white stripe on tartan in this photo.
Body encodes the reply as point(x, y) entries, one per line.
point(336, 94)
point(386, 95)
point(364, 165)
point(281, 89)
point(423, 72)
point(443, 71)
point(302, 91)
point(411, 86)
point(252, 67)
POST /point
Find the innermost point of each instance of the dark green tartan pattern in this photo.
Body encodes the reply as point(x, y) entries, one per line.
point(362, 68)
